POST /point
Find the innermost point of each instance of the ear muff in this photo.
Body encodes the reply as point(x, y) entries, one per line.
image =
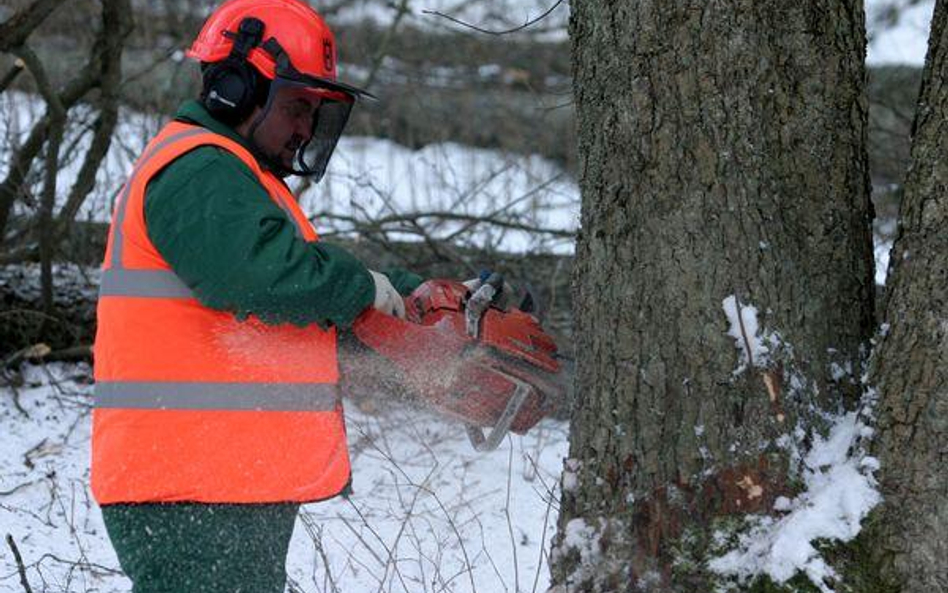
point(231, 86)
point(230, 91)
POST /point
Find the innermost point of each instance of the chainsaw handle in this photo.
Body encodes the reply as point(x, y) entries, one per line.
point(500, 429)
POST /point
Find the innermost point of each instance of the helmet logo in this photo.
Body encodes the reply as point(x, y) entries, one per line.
point(327, 56)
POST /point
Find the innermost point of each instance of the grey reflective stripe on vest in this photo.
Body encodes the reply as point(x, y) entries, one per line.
point(163, 395)
point(143, 283)
point(118, 238)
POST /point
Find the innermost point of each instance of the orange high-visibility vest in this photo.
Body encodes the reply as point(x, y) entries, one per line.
point(192, 404)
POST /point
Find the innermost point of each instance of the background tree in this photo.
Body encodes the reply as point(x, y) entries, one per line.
point(722, 153)
point(910, 367)
point(101, 72)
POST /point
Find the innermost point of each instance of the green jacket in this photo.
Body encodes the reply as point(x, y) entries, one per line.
point(213, 222)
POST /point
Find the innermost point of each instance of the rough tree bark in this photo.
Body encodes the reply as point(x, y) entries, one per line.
point(910, 366)
point(723, 152)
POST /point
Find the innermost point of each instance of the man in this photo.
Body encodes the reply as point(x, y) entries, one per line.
point(216, 405)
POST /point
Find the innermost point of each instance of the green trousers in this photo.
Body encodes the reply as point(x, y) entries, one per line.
point(202, 548)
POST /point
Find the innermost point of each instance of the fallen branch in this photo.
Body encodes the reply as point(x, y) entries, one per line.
point(32, 353)
point(42, 353)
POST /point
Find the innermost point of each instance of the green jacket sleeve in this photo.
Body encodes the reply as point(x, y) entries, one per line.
point(213, 222)
point(404, 281)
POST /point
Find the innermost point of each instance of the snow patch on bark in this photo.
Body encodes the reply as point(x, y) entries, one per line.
point(582, 537)
point(570, 479)
point(754, 344)
point(840, 492)
point(584, 545)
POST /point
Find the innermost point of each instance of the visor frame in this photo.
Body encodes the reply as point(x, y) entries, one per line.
point(283, 68)
point(336, 106)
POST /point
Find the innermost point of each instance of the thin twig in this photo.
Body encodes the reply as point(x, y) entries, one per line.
point(412, 218)
point(469, 568)
point(19, 564)
point(17, 488)
point(388, 549)
point(740, 322)
point(546, 518)
point(382, 50)
point(391, 560)
point(513, 541)
point(316, 536)
point(488, 31)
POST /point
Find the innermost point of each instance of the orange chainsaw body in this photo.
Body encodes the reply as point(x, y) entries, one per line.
point(472, 378)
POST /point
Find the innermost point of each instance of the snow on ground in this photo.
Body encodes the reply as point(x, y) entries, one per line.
point(367, 178)
point(428, 513)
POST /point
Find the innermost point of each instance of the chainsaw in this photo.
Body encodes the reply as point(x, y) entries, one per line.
point(462, 351)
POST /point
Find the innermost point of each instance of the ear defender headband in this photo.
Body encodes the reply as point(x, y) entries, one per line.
point(231, 86)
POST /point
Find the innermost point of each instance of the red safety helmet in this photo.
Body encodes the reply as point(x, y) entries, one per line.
point(288, 43)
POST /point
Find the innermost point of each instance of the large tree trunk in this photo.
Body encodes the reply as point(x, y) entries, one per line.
point(722, 148)
point(910, 366)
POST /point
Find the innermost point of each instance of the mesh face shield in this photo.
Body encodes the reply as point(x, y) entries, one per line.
point(302, 117)
point(328, 123)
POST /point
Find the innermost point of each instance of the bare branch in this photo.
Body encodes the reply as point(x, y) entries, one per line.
point(12, 186)
point(414, 218)
point(382, 50)
point(10, 76)
point(15, 30)
point(102, 69)
point(489, 32)
point(116, 25)
point(56, 114)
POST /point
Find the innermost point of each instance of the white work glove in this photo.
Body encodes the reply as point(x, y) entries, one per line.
point(500, 300)
point(387, 299)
